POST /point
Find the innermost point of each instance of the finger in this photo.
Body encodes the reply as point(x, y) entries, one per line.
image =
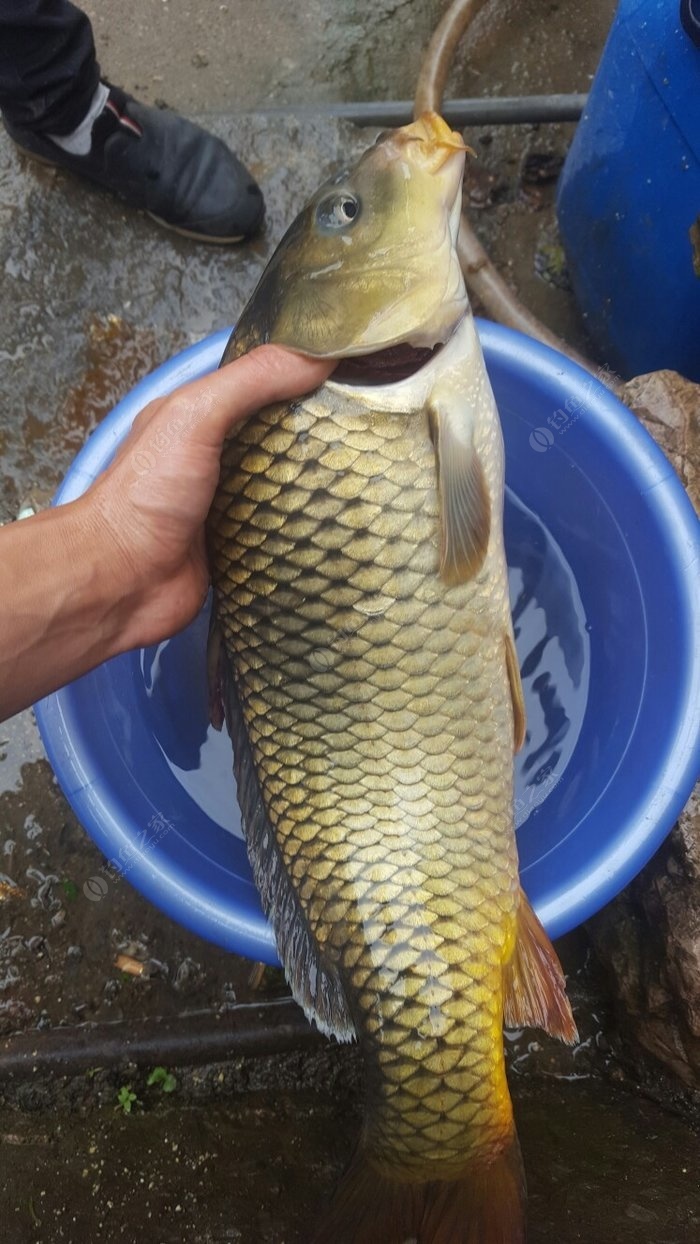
point(148, 413)
point(273, 373)
point(209, 407)
point(141, 423)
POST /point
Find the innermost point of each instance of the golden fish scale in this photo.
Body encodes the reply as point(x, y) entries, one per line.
point(379, 714)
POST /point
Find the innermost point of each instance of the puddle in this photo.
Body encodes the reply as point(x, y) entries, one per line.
point(20, 745)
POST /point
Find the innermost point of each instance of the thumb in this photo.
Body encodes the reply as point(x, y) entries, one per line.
point(268, 374)
point(204, 411)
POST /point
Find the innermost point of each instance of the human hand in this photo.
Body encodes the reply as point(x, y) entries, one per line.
point(147, 511)
point(125, 564)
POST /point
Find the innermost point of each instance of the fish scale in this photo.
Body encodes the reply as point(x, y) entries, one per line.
point(381, 727)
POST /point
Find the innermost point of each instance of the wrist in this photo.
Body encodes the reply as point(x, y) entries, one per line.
point(99, 589)
point(116, 597)
point(151, 591)
point(63, 609)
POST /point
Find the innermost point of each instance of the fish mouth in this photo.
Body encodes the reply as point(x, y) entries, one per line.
point(438, 143)
point(387, 366)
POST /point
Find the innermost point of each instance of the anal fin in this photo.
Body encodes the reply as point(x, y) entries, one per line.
point(516, 692)
point(535, 988)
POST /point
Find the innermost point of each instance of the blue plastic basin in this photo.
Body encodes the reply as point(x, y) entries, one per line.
point(603, 553)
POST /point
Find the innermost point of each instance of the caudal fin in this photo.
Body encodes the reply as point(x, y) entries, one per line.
point(486, 1205)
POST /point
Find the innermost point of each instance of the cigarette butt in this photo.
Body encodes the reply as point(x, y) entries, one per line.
point(257, 973)
point(125, 963)
point(8, 891)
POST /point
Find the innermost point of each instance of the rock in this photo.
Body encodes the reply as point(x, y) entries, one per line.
point(649, 937)
point(669, 407)
point(649, 940)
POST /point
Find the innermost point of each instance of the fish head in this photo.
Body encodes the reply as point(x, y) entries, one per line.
point(371, 261)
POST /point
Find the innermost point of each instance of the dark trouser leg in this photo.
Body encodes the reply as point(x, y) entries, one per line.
point(48, 70)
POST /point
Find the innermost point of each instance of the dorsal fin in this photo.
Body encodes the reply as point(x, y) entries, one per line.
point(314, 983)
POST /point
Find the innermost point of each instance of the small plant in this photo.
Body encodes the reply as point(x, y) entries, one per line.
point(70, 889)
point(160, 1075)
point(126, 1098)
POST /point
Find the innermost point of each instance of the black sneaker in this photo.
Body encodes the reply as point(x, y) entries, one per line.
point(154, 159)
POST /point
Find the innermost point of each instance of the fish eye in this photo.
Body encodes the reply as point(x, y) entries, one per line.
point(337, 211)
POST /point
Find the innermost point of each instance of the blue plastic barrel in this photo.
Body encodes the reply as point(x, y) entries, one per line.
point(629, 196)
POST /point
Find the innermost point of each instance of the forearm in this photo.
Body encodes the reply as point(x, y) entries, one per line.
point(61, 611)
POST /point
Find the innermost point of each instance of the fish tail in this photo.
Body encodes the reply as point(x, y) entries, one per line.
point(486, 1205)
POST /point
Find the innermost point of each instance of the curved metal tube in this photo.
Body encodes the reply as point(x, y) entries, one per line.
point(479, 272)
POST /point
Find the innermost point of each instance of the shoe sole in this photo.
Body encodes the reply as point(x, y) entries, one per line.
point(190, 233)
point(184, 233)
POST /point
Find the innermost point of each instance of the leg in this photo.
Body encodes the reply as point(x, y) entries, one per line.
point(48, 69)
point(56, 109)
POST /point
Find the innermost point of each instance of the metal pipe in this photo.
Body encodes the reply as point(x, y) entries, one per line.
point(487, 110)
point(250, 1031)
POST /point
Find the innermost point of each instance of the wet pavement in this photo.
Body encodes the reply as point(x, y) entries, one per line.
point(204, 56)
point(93, 298)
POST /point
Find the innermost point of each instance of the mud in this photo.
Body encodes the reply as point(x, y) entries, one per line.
point(258, 1168)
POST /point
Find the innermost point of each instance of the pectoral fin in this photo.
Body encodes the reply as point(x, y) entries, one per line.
point(516, 692)
point(465, 507)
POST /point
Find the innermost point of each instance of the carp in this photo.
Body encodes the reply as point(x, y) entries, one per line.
point(372, 692)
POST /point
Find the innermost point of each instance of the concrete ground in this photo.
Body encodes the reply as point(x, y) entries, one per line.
point(206, 56)
point(94, 297)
